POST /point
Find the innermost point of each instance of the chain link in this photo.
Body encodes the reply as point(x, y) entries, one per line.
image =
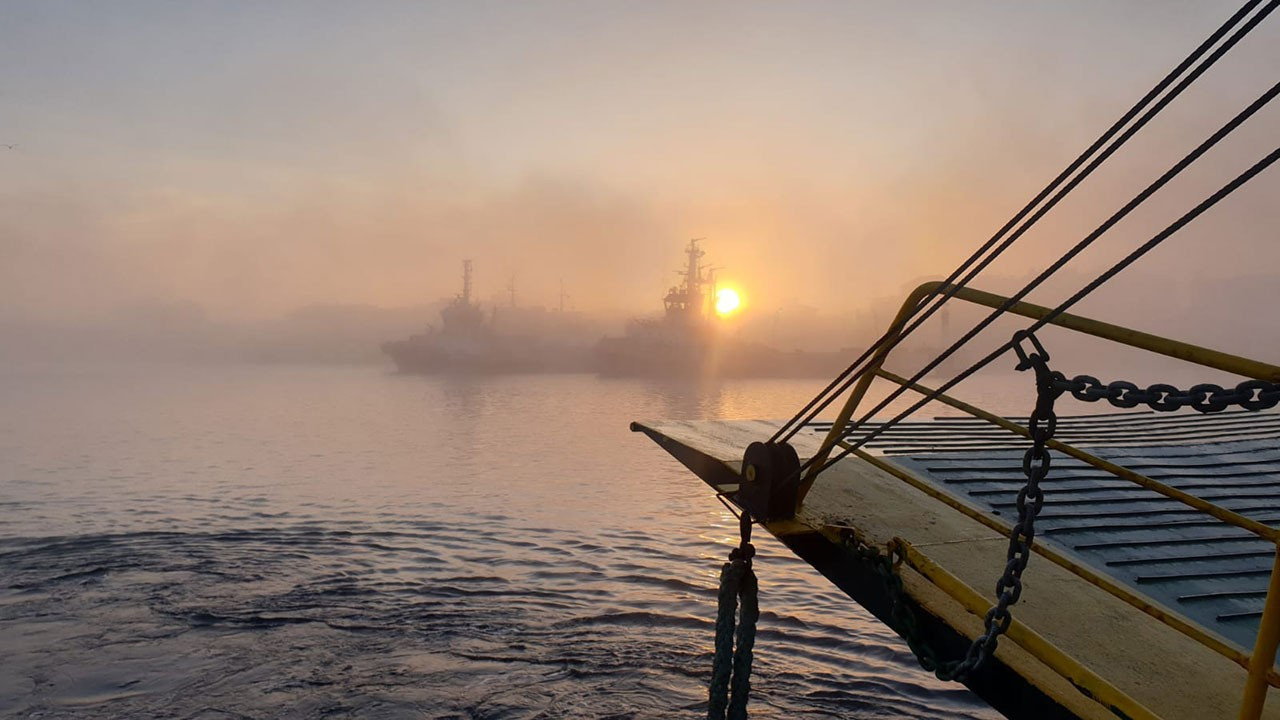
point(1035, 464)
point(1205, 397)
point(902, 617)
point(1050, 385)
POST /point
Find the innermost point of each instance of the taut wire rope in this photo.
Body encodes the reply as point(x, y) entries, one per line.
point(949, 287)
point(1240, 180)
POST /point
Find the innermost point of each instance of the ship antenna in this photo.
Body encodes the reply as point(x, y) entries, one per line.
point(709, 299)
point(466, 281)
point(693, 275)
point(511, 290)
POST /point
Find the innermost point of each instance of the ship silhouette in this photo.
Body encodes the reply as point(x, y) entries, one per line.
point(473, 341)
point(690, 340)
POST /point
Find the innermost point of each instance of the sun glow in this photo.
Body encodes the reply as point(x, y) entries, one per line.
point(727, 301)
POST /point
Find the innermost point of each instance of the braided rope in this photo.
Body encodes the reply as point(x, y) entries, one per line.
point(735, 636)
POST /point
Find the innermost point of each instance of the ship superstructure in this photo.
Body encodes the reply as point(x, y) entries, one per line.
point(690, 302)
point(689, 340)
point(473, 341)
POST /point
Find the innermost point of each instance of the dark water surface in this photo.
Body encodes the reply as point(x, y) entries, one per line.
point(321, 542)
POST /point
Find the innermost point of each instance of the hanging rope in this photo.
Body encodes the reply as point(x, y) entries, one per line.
point(735, 636)
point(846, 379)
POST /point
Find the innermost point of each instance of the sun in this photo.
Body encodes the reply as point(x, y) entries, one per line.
point(727, 301)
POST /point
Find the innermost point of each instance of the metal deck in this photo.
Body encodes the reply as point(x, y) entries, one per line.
point(1179, 557)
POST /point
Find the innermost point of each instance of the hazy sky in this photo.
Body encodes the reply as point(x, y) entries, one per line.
point(253, 157)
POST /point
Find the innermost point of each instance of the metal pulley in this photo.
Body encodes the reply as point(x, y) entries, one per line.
point(770, 481)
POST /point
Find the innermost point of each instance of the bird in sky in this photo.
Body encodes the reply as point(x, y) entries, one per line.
point(9, 146)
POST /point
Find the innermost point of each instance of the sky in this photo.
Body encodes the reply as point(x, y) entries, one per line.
point(252, 158)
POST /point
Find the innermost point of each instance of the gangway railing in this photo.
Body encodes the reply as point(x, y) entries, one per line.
point(1260, 662)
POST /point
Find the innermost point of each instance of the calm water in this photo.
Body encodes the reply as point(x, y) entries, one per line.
point(321, 542)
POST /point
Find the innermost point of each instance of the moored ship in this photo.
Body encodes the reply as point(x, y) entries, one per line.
point(690, 341)
point(471, 341)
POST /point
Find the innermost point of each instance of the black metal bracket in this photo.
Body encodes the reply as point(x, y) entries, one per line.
point(770, 483)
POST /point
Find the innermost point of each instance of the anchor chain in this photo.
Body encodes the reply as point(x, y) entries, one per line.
point(1042, 424)
point(903, 617)
point(1205, 397)
point(1035, 464)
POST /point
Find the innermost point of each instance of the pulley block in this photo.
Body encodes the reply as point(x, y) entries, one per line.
point(770, 481)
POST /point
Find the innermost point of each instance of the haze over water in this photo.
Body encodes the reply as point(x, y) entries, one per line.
point(321, 542)
point(184, 164)
point(186, 187)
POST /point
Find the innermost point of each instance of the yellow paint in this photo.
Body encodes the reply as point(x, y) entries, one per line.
point(860, 390)
point(1177, 622)
point(1227, 516)
point(1125, 336)
point(1263, 658)
point(1084, 679)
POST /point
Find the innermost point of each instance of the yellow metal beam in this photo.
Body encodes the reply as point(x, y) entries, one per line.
point(1088, 682)
point(1107, 331)
point(1261, 663)
point(1227, 516)
point(1177, 622)
point(1125, 336)
point(1263, 659)
point(860, 390)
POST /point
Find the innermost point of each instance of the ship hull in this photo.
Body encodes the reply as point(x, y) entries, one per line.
point(626, 357)
point(437, 358)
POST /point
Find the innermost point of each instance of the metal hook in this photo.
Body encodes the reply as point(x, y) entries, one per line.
point(1028, 360)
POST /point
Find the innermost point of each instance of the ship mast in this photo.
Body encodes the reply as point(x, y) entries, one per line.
point(466, 282)
point(709, 300)
point(687, 302)
point(693, 274)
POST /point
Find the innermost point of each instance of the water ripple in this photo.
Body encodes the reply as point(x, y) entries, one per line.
point(214, 547)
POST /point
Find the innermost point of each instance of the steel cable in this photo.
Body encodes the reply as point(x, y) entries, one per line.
point(1125, 262)
point(950, 287)
point(1079, 247)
